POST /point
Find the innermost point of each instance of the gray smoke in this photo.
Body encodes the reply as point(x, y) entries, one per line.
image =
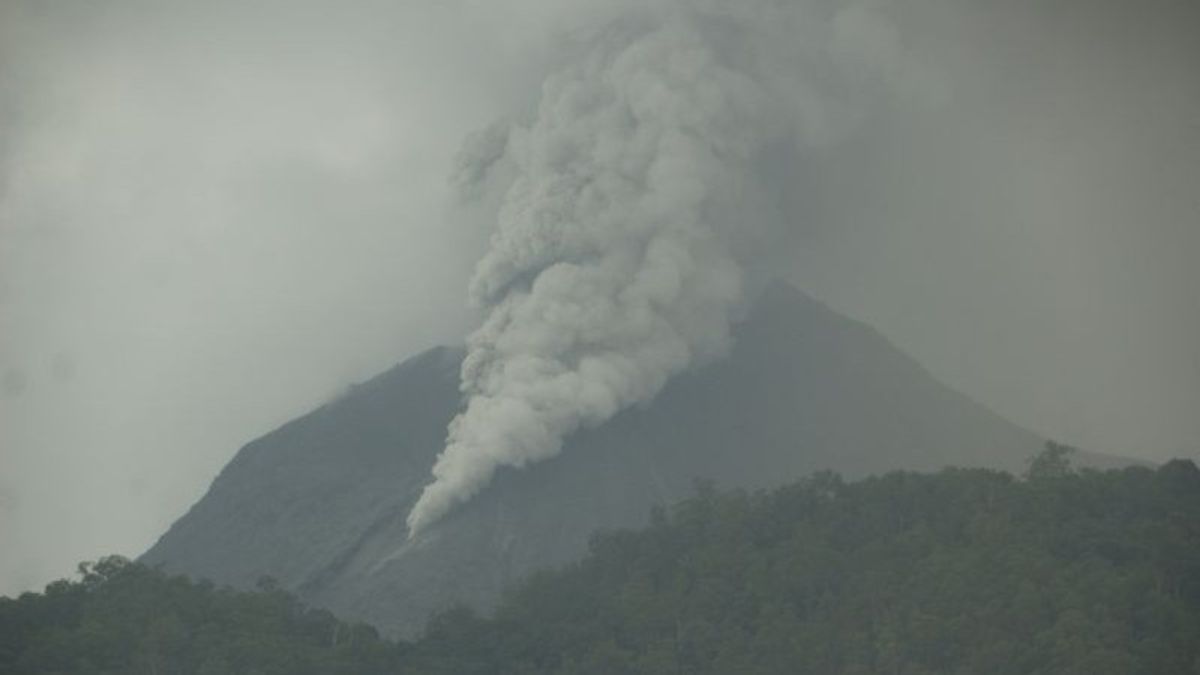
point(632, 218)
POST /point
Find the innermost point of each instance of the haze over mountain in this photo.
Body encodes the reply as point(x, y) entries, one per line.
point(215, 215)
point(320, 504)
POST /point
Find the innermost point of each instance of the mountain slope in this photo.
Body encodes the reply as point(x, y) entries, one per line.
point(962, 571)
point(320, 503)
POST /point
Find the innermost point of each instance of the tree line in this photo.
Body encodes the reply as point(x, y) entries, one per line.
point(962, 571)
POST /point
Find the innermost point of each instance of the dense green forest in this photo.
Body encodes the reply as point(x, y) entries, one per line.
point(964, 571)
point(124, 618)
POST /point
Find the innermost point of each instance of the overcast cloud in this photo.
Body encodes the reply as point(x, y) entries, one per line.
point(215, 216)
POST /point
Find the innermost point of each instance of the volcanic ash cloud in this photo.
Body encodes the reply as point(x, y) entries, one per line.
point(621, 252)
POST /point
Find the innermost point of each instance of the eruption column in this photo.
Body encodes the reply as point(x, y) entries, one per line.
point(618, 260)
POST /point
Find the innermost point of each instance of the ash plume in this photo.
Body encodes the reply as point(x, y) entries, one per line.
point(632, 220)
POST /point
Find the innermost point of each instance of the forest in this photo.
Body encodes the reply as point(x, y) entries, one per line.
point(962, 571)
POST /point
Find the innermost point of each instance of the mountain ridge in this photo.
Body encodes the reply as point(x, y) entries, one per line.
point(320, 503)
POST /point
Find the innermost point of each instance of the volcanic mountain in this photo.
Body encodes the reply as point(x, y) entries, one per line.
point(320, 503)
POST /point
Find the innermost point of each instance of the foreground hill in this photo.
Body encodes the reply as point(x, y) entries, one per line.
point(320, 504)
point(126, 619)
point(965, 571)
point(968, 571)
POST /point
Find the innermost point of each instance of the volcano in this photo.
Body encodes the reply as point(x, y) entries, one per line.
point(319, 504)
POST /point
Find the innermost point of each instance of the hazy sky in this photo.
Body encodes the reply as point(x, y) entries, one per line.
point(214, 216)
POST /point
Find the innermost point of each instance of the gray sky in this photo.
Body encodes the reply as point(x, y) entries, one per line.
point(214, 217)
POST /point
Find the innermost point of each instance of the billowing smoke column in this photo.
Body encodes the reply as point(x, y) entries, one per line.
point(621, 250)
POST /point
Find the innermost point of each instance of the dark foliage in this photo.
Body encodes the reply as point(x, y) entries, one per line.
point(122, 618)
point(965, 571)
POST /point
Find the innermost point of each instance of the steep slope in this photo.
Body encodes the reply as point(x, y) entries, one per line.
point(320, 503)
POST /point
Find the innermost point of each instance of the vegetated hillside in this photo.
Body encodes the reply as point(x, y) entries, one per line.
point(320, 504)
point(964, 571)
point(122, 618)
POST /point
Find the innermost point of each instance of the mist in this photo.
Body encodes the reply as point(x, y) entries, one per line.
point(213, 218)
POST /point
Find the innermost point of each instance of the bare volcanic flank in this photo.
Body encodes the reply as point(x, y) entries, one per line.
point(320, 504)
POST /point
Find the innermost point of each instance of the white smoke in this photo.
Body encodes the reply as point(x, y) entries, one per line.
point(632, 216)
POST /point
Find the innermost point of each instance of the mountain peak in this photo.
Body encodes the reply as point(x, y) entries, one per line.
point(320, 503)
